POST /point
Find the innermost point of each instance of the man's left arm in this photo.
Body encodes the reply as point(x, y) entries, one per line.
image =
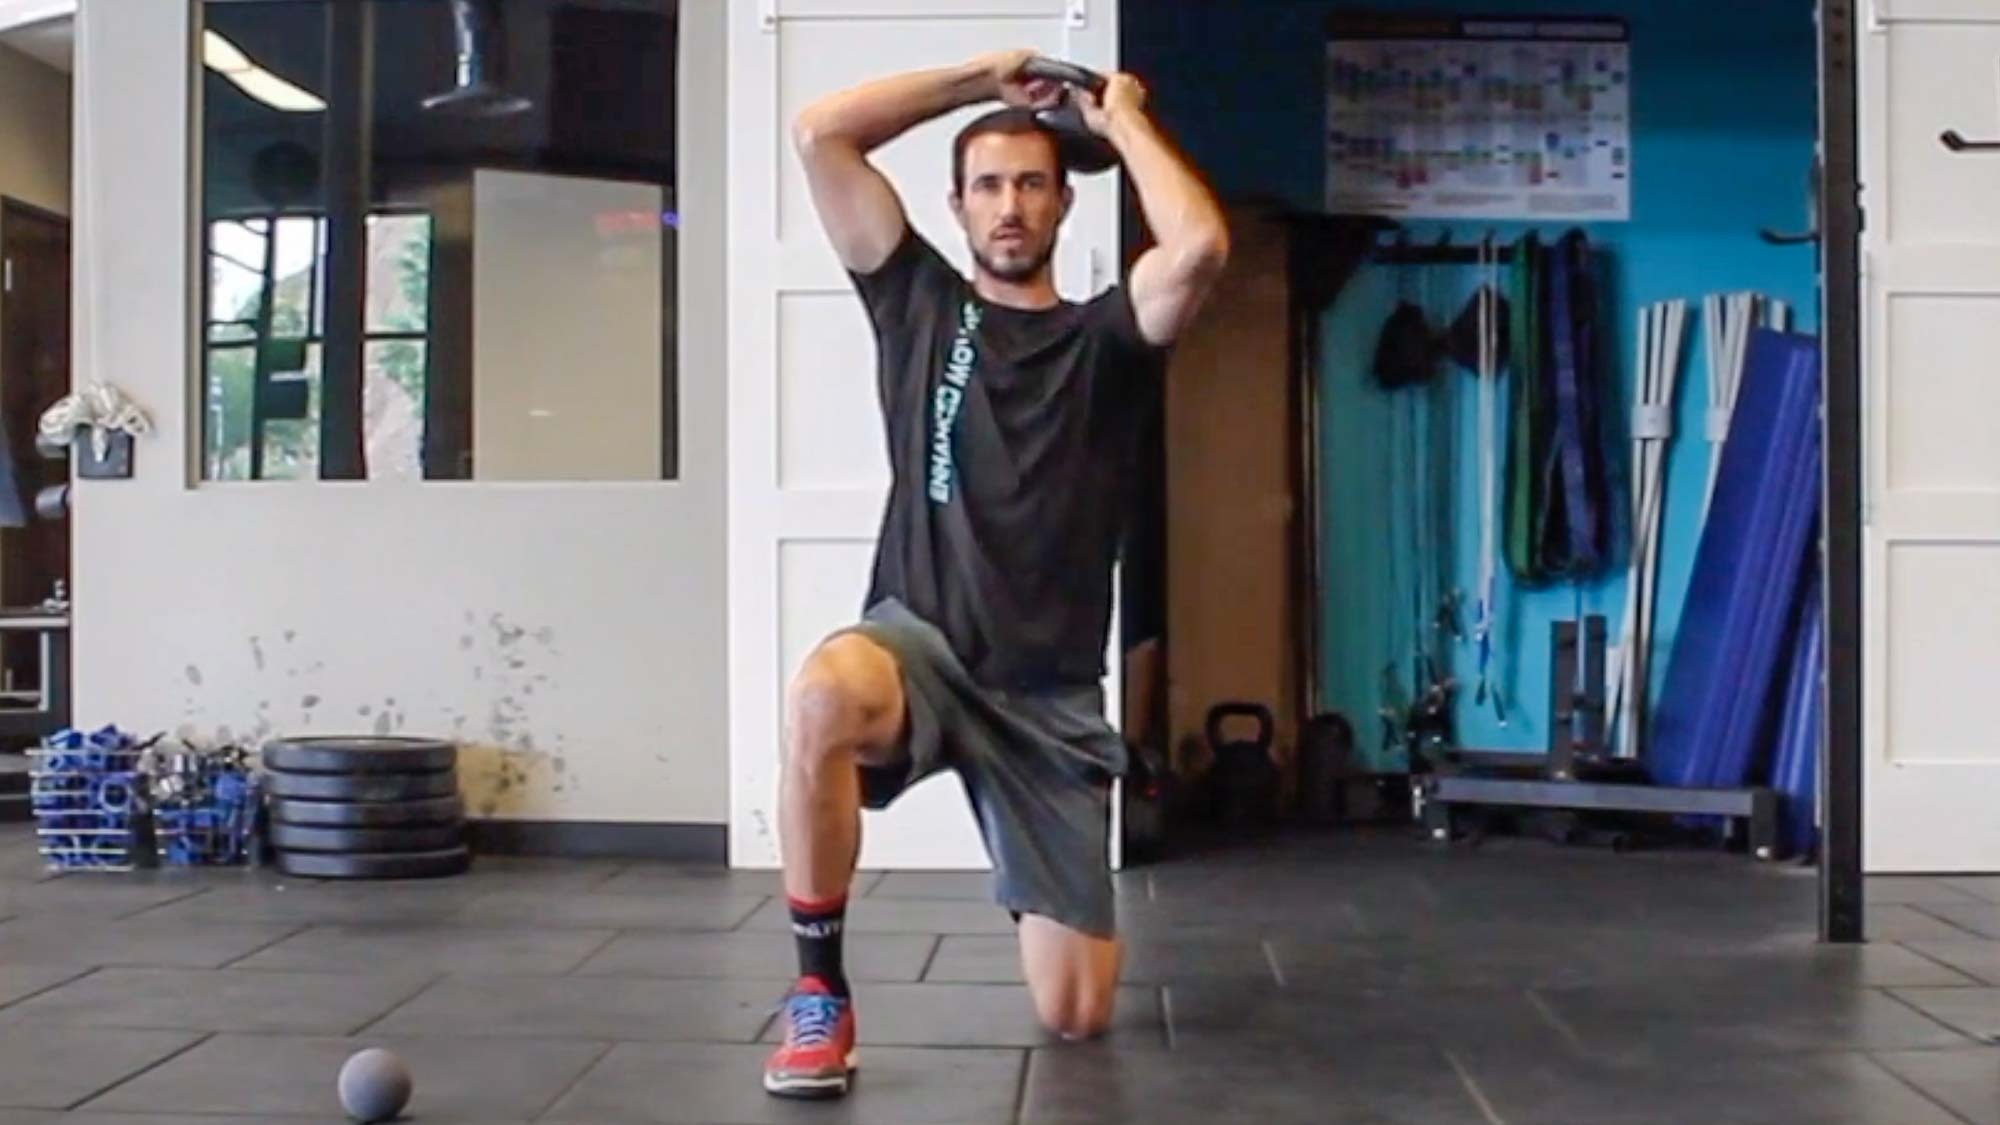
point(1170, 280)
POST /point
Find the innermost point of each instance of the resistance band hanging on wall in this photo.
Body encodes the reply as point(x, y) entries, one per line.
point(1420, 513)
point(1405, 356)
point(1575, 541)
point(1558, 502)
point(1525, 435)
point(1491, 327)
point(1547, 507)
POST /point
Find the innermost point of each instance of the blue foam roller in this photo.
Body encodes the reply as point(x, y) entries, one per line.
point(1728, 654)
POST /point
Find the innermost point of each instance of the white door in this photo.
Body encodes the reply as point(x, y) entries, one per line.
point(807, 468)
point(1931, 253)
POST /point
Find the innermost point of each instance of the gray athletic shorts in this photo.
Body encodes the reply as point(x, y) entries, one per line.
point(1036, 765)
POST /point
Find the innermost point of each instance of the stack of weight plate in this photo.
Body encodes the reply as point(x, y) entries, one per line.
point(365, 808)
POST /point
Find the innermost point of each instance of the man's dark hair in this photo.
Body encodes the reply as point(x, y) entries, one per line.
point(1011, 121)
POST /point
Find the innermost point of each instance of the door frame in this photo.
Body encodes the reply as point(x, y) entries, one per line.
point(1840, 218)
point(56, 671)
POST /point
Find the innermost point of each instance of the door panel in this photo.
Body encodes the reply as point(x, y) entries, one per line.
point(1931, 779)
point(807, 465)
point(1938, 77)
point(1943, 403)
point(830, 425)
point(1939, 660)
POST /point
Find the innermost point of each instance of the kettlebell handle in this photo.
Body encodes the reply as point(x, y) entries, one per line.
point(1082, 150)
point(1267, 725)
point(1068, 73)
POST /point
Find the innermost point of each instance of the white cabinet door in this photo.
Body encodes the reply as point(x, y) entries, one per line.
point(807, 468)
point(1931, 286)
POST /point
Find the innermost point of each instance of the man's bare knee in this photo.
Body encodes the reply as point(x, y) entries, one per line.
point(1072, 978)
point(1074, 1010)
point(1051, 1008)
point(846, 700)
point(1091, 1019)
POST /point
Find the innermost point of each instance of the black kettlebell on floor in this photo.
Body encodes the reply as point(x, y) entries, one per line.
point(1147, 795)
point(1082, 150)
point(1244, 780)
point(1326, 748)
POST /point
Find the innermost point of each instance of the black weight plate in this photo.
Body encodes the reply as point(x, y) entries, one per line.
point(361, 786)
point(368, 814)
point(359, 755)
point(415, 838)
point(375, 865)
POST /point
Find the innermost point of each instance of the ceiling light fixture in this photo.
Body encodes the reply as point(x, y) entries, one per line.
point(228, 60)
point(479, 88)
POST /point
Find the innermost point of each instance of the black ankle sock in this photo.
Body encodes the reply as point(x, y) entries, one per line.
point(817, 927)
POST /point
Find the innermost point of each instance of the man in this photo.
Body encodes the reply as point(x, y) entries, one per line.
point(1011, 422)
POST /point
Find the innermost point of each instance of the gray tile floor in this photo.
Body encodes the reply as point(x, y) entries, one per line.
point(1336, 979)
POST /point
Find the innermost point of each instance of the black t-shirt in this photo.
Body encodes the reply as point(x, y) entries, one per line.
point(1012, 435)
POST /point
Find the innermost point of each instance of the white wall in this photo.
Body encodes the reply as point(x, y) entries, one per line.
point(34, 132)
point(587, 680)
point(565, 329)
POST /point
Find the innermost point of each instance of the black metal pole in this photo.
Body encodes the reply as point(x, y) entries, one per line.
point(1840, 220)
point(350, 73)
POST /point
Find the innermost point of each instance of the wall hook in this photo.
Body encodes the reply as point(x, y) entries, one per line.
point(1811, 233)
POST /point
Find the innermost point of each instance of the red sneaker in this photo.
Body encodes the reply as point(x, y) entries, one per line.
point(817, 1059)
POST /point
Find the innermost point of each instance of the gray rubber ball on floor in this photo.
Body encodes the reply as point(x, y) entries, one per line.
point(374, 1085)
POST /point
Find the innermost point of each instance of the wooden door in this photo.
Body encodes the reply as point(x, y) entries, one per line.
point(34, 373)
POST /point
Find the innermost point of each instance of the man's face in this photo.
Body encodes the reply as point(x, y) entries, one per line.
point(1011, 203)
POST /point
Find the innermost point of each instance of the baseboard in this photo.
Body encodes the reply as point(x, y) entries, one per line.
point(695, 843)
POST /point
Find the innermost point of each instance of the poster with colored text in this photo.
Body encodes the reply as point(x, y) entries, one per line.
point(1450, 118)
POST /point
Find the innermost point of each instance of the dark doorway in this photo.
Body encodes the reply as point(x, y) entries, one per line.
point(34, 374)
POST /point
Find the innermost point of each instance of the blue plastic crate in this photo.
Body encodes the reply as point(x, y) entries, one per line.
point(88, 798)
point(205, 808)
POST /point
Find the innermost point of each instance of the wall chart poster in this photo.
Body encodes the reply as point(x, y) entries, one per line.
point(1503, 119)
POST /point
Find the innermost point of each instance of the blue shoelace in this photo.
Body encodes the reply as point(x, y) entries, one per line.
point(814, 1018)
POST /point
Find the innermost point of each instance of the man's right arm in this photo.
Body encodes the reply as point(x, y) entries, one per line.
point(860, 210)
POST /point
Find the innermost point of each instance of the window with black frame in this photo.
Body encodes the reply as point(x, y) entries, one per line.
point(439, 239)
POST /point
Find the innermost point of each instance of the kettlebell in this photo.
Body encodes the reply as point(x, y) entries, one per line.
point(1244, 780)
point(1147, 801)
point(1326, 747)
point(1082, 150)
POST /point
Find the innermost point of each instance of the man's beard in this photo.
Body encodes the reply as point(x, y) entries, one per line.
point(1023, 270)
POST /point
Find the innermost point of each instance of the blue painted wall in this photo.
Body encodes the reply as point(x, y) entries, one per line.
point(1723, 125)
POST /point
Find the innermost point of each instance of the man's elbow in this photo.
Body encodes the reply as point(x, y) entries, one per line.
point(1206, 253)
point(808, 130)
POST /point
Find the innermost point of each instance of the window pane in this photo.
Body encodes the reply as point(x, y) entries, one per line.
point(394, 415)
point(297, 269)
point(235, 281)
point(508, 312)
point(227, 424)
point(291, 445)
point(241, 241)
point(399, 273)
